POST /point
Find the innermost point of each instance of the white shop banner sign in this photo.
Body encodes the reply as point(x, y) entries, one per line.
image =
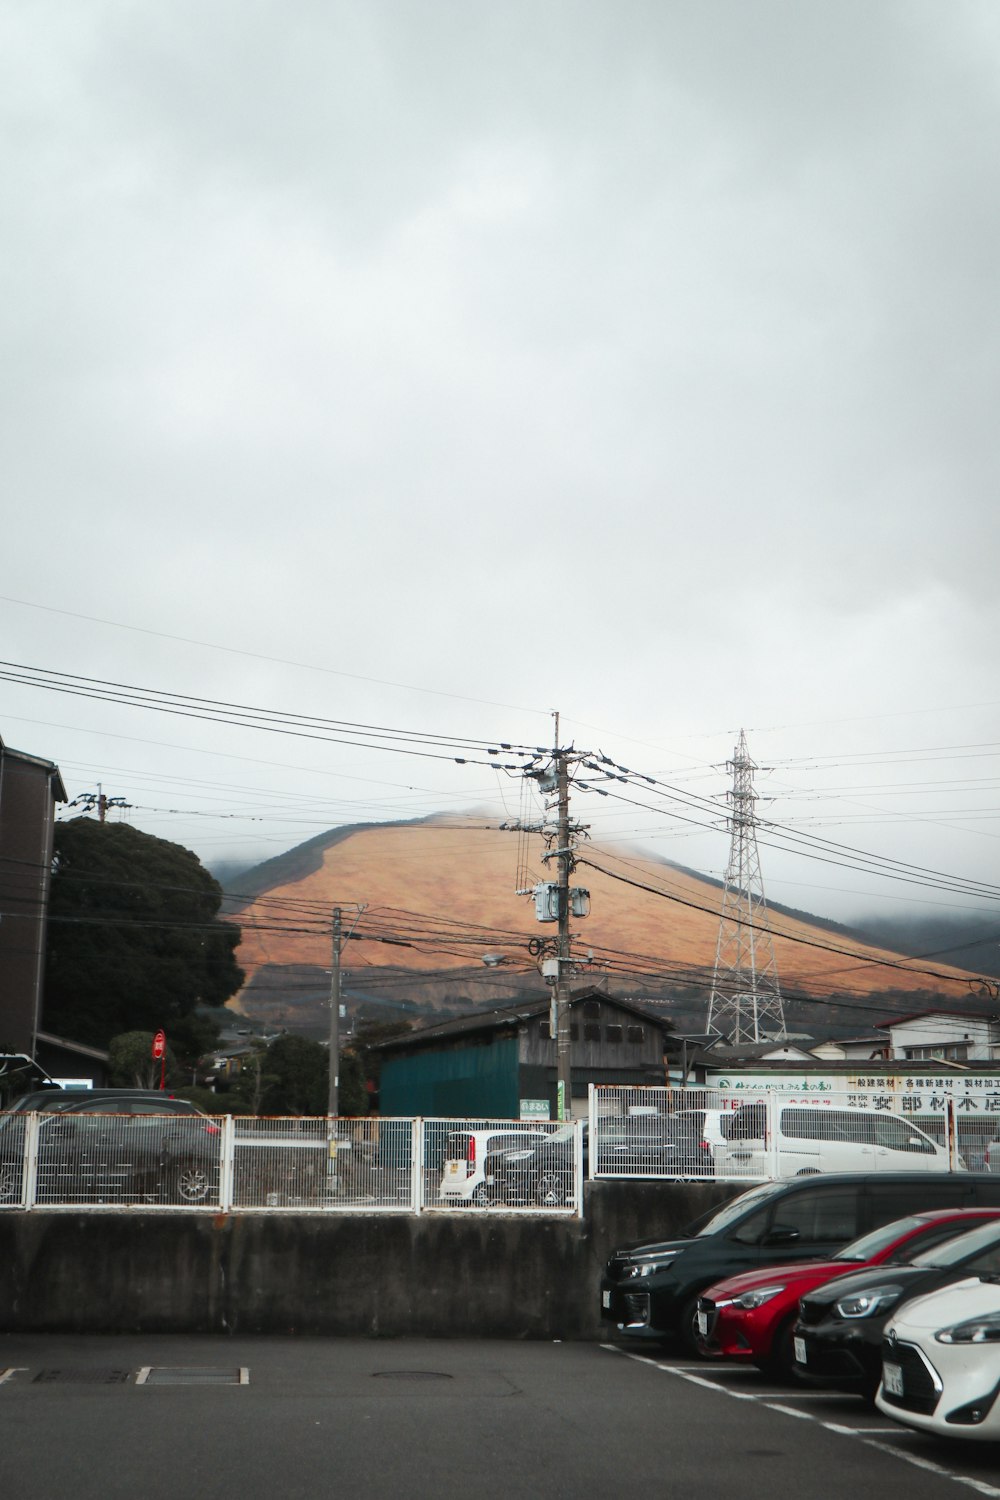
point(912, 1093)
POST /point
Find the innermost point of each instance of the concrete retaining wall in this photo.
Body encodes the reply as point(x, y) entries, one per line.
point(458, 1275)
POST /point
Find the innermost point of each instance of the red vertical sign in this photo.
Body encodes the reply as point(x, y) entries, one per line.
point(160, 1051)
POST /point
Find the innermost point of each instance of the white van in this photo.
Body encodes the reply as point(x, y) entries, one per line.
point(818, 1138)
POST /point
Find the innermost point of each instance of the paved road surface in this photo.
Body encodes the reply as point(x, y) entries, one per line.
point(473, 1420)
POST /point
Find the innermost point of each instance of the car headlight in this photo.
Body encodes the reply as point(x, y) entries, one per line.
point(869, 1304)
point(650, 1267)
point(749, 1300)
point(985, 1330)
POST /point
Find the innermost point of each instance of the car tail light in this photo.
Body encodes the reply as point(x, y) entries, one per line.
point(211, 1128)
point(470, 1154)
point(706, 1145)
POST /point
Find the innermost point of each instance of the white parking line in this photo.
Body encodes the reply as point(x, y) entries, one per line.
point(712, 1385)
point(721, 1369)
point(979, 1485)
point(860, 1434)
point(801, 1396)
point(6, 1375)
point(860, 1431)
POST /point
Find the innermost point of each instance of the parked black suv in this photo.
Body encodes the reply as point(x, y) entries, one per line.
point(535, 1171)
point(111, 1145)
point(651, 1291)
point(653, 1146)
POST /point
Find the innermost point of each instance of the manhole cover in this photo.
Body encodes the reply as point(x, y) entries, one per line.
point(179, 1375)
point(82, 1377)
point(410, 1375)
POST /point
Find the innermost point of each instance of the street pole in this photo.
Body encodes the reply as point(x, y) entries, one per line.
point(334, 1087)
point(564, 857)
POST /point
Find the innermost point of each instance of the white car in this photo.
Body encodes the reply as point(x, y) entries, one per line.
point(941, 1361)
point(466, 1171)
point(708, 1125)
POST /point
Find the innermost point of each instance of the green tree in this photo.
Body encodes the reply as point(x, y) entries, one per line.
point(134, 938)
point(289, 1077)
point(131, 1064)
point(352, 1095)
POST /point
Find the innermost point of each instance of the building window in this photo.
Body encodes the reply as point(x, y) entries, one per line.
point(592, 1009)
point(591, 1031)
point(613, 1034)
point(956, 1052)
point(544, 1032)
point(574, 1033)
point(635, 1034)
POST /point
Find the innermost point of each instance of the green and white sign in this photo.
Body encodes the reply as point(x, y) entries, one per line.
point(922, 1091)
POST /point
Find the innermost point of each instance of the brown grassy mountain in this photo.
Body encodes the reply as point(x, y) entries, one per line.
point(439, 893)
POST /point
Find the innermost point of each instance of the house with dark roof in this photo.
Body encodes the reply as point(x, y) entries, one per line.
point(29, 790)
point(501, 1063)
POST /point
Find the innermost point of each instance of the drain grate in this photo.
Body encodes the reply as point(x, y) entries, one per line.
point(410, 1375)
point(81, 1377)
point(181, 1375)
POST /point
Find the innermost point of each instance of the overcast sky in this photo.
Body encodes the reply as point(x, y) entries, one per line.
point(441, 365)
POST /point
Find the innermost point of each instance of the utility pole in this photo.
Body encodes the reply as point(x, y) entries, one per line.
point(333, 1100)
point(557, 901)
point(561, 988)
point(99, 803)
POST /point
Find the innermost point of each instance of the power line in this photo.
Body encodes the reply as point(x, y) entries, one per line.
point(244, 716)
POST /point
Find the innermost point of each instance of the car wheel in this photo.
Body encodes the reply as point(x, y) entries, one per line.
point(550, 1191)
point(192, 1182)
point(687, 1328)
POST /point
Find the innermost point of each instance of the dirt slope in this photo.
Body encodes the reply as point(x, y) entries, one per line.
point(446, 888)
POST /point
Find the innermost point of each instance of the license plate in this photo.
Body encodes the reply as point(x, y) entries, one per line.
point(703, 1324)
point(892, 1379)
point(799, 1346)
point(606, 1299)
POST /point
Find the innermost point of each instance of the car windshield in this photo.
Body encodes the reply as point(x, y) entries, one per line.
point(871, 1244)
point(963, 1247)
point(51, 1105)
point(721, 1218)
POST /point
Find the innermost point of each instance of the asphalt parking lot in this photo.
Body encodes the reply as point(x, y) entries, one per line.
point(967, 1465)
point(83, 1417)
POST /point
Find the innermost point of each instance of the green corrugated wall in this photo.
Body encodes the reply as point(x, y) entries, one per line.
point(462, 1081)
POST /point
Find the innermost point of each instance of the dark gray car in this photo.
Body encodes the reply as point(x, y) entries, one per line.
point(111, 1145)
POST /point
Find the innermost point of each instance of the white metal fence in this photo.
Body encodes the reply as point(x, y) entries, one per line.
point(760, 1134)
point(227, 1163)
point(224, 1163)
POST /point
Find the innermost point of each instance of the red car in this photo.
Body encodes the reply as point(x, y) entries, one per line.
point(751, 1316)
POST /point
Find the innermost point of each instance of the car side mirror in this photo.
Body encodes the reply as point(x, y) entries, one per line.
point(780, 1236)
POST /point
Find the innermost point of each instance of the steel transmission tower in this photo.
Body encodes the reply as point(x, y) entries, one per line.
point(745, 991)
